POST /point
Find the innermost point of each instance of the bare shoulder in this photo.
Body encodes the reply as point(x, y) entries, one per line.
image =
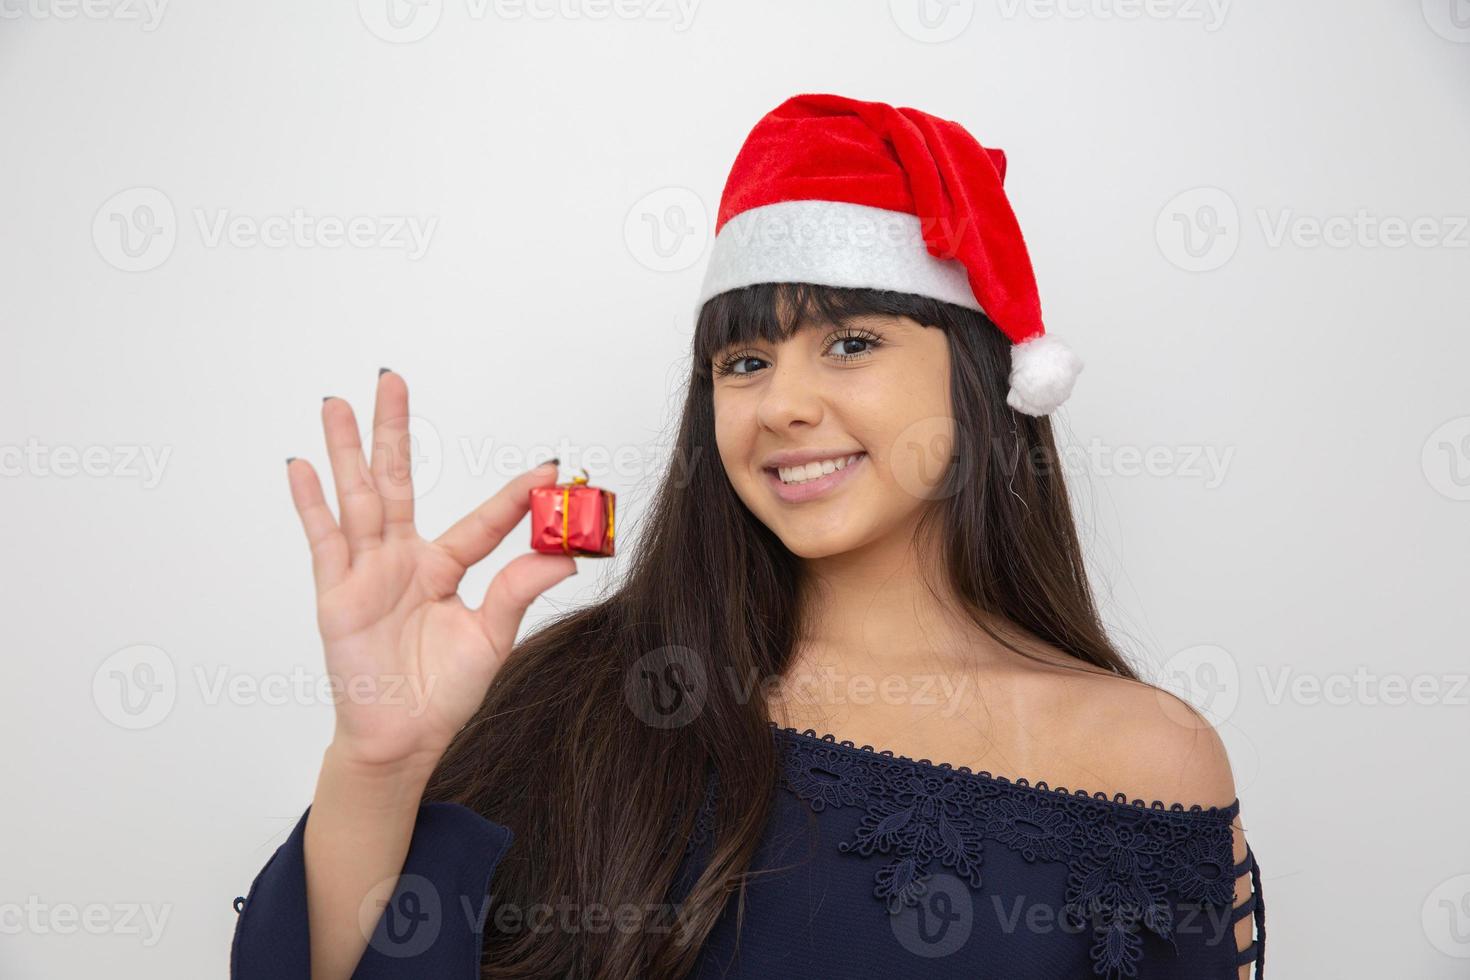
point(1109, 733)
point(1150, 743)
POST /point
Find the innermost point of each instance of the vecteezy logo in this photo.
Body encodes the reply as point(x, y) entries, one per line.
point(400, 21)
point(667, 230)
point(1446, 458)
point(940, 921)
point(667, 687)
point(1450, 19)
point(408, 922)
point(1206, 677)
point(135, 230)
point(1446, 917)
point(1199, 229)
point(135, 687)
point(932, 21)
point(423, 450)
point(925, 459)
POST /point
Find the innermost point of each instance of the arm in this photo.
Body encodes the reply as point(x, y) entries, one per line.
point(1171, 752)
point(357, 835)
point(1250, 910)
point(410, 664)
point(435, 928)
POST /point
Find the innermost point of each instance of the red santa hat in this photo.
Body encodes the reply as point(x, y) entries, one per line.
point(840, 192)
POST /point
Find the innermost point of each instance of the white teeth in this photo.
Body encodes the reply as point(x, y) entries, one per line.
point(813, 470)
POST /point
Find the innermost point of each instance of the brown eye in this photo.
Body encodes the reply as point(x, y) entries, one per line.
point(845, 341)
point(728, 365)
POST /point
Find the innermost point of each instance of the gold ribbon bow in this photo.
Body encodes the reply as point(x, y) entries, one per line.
point(566, 503)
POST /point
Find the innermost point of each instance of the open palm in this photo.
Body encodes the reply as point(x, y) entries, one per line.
point(408, 660)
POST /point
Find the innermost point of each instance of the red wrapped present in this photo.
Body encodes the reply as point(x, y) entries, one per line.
point(572, 518)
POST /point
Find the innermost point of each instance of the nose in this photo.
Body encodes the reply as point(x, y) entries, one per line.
point(792, 395)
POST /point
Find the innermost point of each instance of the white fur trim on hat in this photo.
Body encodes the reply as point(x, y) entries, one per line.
point(832, 243)
point(1043, 371)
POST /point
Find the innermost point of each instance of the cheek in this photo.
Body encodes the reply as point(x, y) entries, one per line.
point(922, 454)
point(915, 444)
point(733, 433)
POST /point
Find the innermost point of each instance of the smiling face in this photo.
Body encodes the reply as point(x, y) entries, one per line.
point(834, 436)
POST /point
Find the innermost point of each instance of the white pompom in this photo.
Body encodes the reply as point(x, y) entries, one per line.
point(1043, 371)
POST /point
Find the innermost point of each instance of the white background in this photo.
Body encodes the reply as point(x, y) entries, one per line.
point(1325, 546)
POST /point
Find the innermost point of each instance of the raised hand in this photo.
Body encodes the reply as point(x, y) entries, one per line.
point(409, 660)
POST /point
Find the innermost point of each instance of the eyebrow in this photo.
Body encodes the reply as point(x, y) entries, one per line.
point(816, 323)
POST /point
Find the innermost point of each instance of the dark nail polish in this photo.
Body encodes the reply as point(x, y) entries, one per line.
point(327, 398)
point(289, 459)
point(383, 371)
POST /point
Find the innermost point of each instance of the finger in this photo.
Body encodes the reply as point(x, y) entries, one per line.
point(477, 533)
point(392, 459)
point(358, 504)
point(512, 591)
point(329, 556)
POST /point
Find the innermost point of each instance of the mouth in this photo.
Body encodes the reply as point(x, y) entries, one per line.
point(797, 484)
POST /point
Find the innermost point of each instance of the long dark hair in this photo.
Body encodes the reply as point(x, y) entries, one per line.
point(600, 776)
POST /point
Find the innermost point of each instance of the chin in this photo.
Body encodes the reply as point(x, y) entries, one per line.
point(808, 544)
point(813, 550)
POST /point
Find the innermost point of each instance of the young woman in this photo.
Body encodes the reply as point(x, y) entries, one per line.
point(865, 540)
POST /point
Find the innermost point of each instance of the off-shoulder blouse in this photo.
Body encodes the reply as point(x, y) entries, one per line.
point(872, 865)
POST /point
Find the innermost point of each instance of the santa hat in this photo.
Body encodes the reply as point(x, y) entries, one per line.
point(840, 192)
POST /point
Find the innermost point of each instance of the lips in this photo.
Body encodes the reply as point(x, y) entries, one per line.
point(813, 488)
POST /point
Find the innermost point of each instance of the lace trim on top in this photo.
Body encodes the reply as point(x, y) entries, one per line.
point(1123, 856)
point(1227, 813)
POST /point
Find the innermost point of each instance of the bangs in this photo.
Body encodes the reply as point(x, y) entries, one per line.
point(773, 311)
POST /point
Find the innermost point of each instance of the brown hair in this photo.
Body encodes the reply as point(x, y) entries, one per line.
point(595, 742)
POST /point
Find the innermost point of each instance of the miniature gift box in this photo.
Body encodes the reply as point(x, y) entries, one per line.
point(573, 518)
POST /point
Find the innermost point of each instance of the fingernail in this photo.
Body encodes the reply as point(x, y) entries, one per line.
point(548, 462)
point(383, 371)
point(289, 459)
point(327, 398)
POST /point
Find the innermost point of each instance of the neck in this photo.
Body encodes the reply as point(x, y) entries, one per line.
point(876, 626)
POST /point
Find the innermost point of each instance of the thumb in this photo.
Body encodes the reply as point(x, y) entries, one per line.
point(512, 591)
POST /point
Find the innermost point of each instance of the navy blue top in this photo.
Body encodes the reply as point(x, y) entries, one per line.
point(882, 866)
